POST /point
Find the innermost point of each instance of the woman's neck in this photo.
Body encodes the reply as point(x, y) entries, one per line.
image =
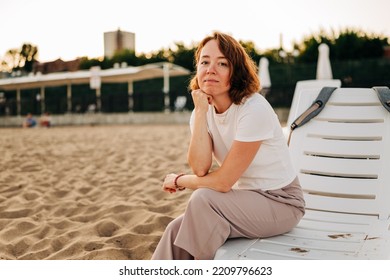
point(222, 104)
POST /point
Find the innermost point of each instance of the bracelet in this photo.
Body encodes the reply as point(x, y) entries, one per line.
point(175, 182)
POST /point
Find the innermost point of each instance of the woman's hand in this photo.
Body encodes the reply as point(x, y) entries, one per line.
point(169, 183)
point(201, 99)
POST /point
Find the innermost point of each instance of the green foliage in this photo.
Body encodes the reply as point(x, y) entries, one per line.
point(20, 59)
point(124, 56)
point(127, 56)
point(183, 56)
point(309, 47)
point(250, 48)
point(356, 45)
point(28, 53)
point(348, 44)
point(179, 55)
point(86, 63)
point(11, 60)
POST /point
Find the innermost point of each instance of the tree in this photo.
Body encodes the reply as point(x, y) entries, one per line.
point(308, 49)
point(20, 59)
point(159, 56)
point(250, 48)
point(27, 56)
point(86, 63)
point(352, 44)
point(10, 60)
point(183, 56)
point(126, 55)
point(348, 44)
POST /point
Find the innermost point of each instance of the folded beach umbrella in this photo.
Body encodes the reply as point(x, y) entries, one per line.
point(265, 79)
point(324, 69)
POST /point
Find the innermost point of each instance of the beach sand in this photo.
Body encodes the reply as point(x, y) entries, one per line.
point(88, 192)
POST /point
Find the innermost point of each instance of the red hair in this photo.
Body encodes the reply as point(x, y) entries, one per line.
point(244, 80)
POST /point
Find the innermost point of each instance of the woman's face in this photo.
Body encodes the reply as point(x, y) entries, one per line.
point(213, 70)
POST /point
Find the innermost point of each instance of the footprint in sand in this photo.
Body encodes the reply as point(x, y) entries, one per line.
point(92, 246)
point(106, 228)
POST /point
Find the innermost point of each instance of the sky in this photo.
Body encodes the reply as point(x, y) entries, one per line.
point(68, 29)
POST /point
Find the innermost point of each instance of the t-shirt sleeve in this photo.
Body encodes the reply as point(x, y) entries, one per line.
point(256, 122)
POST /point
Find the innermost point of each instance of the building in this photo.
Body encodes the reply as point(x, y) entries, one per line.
point(63, 92)
point(118, 40)
point(57, 65)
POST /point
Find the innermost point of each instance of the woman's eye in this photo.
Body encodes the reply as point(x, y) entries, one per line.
point(204, 62)
point(223, 63)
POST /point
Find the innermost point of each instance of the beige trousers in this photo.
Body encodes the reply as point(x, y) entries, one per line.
point(212, 217)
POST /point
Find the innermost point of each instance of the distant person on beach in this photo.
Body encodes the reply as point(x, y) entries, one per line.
point(29, 121)
point(255, 191)
point(45, 120)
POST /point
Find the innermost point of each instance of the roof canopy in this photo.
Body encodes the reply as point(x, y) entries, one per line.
point(113, 75)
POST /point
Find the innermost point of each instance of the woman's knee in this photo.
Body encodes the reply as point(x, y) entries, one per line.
point(206, 201)
point(203, 197)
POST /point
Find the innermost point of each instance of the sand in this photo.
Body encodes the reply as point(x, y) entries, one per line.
point(90, 192)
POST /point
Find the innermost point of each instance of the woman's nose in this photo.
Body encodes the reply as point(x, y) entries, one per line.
point(211, 68)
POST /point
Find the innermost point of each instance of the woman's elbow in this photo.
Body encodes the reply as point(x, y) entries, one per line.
point(200, 172)
point(224, 187)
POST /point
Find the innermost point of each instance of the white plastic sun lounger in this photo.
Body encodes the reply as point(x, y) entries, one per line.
point(342, 157)
point(302, 87)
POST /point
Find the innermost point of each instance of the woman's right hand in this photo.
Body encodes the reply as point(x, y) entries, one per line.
point(201, 100)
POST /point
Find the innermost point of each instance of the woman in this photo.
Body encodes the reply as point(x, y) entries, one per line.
point(255, 191)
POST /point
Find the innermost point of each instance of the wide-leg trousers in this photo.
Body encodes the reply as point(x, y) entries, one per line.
point(212, 217)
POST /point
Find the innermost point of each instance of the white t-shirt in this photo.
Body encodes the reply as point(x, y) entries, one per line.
point(253, 120)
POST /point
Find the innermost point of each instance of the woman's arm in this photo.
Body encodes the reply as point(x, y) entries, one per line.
point(236, 162)
point(200, 149)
